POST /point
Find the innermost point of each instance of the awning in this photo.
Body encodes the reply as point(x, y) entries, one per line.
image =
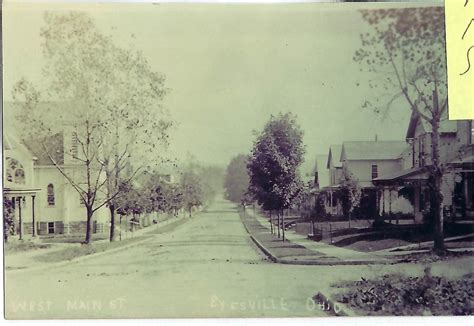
point(413, 176)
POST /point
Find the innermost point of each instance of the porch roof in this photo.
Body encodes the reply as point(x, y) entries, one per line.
point(464, 160)
point(20, 191)
point(418, 174)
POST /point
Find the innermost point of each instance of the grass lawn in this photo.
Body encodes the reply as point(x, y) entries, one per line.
point(23, 245)
point(70, 238)
point(170, 227)
point(84, 250)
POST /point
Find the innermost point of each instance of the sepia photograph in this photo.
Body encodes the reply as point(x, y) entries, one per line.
point(234, 160)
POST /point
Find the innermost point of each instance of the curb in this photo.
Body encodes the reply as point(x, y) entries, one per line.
point(264, 250)
point(85, 257)
point(332, 306)
point(319, 262)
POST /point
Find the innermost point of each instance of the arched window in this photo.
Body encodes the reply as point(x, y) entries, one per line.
point(50, 194)
point(15, 171)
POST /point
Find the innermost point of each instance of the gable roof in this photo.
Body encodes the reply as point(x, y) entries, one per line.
point(372, 150)
point(320, 163)
point(54, 145)
point(445, 126)
point(334, 156)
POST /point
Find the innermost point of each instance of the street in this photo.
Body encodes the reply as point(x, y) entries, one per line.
point(207, 267)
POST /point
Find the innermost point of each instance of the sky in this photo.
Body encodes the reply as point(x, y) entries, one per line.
point(229, 67)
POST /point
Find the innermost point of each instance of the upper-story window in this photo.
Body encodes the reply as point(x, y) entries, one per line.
point(51, 197)
point(74, 144)
point(15, 171)
point(421, 151)
point(375, 171)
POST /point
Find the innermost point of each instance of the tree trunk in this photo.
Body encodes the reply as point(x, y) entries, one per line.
point(90, 213)
point(283, 224)
point(278, 223)
point(436, 196)
point(112, 222)
point(271, 223)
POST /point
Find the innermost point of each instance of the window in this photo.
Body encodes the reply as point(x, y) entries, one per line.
point(50, 194)
point(74, 142)
point(50, 227)
point(14, 171)
point(421, 151)
point(375, 171)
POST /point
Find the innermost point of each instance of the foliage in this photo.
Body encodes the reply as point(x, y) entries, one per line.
point(406, 54)
point(8, 220)
point(132, 200)
point(349, 193)
point(192, 191)
point(278, 151)
point(108, 99)
point(236, 181)
point(406, 296)
point(319, 209)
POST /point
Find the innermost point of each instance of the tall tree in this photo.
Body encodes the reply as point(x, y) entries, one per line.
point(104, 97)
point(406, 54)
point(236, 181)
point(273, 165)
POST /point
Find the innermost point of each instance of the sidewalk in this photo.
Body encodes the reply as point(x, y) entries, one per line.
point(300, 251)
point(28, 260)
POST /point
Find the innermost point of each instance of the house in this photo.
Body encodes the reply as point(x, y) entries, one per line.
point(364, 161)
point(44, 202)
point(456, 156)
point(334, 168)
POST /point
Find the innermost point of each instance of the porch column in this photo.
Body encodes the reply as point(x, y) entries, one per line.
point(33, 214)
point(330, 194)
point(416, 206)
point(19, 219)
point(390, 203)
point(377, 203)
point(383, 201)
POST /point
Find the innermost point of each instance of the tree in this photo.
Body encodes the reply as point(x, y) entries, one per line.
point(191, 188)
point(406, 54)
point(236, 181)
point(273, 165)
point(349, 193)
point(108, 99)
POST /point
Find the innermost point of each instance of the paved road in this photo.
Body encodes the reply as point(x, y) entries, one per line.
point(206, 267)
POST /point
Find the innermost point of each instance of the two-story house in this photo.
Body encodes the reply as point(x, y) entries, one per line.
point(455, 147)
point(43, 199)
point(364, 161)
point(334, 168)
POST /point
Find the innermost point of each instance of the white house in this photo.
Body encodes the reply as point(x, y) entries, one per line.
point(44, 201)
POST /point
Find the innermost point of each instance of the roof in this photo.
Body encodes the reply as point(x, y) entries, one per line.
point(334, 156)
point(445, 126)
point(54, 146)
point(417, 173)
point(320, 163)
point(372, 150)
